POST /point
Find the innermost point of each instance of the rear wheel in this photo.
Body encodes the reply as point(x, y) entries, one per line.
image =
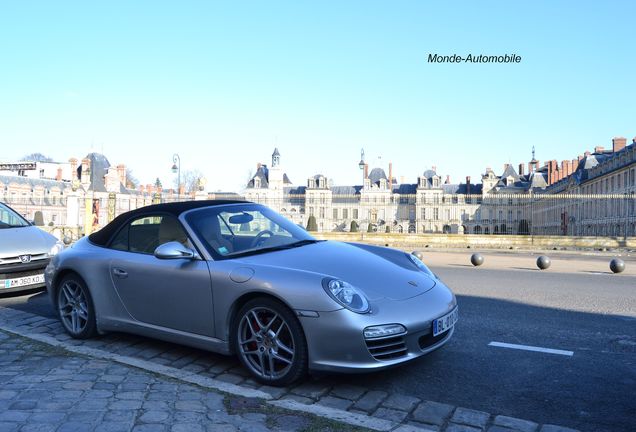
point(270, 342)
point(75, 307)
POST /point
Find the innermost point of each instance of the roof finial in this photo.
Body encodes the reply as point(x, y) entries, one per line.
point(532, 152)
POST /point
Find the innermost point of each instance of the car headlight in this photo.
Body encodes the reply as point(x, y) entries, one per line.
point(420, 265)
point(57, 248)
point(346, 294)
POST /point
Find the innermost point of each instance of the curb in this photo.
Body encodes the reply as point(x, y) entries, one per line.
point(354, 419)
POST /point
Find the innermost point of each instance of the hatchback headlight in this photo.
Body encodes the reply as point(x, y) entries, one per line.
point(346, 294)
point(420, 265)
point(57, 248)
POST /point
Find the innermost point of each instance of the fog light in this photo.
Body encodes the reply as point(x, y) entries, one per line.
point(383, 331)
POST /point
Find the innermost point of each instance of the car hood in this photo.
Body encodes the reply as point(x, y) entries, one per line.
point(24, 240)
point(391, 276)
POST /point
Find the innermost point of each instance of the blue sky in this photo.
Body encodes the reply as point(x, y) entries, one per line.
point(222, 83)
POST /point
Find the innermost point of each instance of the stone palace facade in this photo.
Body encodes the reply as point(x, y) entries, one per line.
point(553, 199)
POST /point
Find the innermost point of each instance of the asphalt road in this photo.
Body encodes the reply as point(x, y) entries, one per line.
point(592, 315)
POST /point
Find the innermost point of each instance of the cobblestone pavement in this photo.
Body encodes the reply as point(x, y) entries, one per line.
point(46, 388)
point(102, 391)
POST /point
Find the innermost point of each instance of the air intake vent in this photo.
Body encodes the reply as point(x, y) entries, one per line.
point(430, 340)
point(387, 348)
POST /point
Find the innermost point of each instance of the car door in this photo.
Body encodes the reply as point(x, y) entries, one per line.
point(171, 293)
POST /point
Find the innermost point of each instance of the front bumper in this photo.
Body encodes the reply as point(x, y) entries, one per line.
point(336, 340)
point(14, 271)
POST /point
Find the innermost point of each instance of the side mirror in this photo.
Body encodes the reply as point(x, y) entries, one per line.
point(173, 250)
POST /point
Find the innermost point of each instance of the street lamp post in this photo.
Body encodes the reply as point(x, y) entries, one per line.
point(176, 169)
point(361, 164)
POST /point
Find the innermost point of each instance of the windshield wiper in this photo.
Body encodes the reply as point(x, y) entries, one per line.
point(275, 248)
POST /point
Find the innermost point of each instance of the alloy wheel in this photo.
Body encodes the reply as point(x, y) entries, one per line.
point(265, 343)
point(73, 307)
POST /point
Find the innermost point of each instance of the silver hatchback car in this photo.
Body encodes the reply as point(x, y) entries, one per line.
point(25, 250)
point(238, 278)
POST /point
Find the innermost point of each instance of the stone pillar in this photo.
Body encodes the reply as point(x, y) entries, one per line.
point(72, 210)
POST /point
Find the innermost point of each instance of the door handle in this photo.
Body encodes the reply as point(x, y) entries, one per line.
point(120, 273)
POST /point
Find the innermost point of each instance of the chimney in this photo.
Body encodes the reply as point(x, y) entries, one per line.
point(532, 167)
point(599, 149)
point(182, 189)
point(86, 170)
point(553, 174)
point(258, 166)
point(634, 141)
point(467, 180)
point(366, 170)
point(521, 167)
point(141, 188)
point(506, 166)
point(587, 153)
point(618, 144)
point(447, 180)
point(390, 175)
point(434, 168)
point(121, 172)
point(150, 188)
point(73, 162)
point(58, 177)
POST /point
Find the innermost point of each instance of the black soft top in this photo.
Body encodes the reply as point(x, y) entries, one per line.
point(102, 236)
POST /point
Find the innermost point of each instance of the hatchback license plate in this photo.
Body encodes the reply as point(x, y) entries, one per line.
point(440, 325)
point(22, 281)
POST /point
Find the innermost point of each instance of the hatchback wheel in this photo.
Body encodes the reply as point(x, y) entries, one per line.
point(270, 342)
point(75, 307)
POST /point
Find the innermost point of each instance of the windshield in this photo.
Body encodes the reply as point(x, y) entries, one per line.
point(245, 229)
point(10, 219)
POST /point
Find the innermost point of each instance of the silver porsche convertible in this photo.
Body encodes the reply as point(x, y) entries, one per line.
point(237, 278)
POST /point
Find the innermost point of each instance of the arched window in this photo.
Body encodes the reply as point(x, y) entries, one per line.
point(477, 230)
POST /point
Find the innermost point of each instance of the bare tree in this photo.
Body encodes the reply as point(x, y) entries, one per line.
point(189, 180)
point(131, 181)
point(36, 157)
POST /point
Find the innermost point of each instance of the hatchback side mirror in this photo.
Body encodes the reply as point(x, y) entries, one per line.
point(173, 250)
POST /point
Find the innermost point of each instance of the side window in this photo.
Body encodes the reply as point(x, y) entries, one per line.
point(120, 242)
point(144, 234)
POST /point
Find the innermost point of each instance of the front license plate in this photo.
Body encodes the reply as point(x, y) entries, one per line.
point(22, 281)
point(440, 325)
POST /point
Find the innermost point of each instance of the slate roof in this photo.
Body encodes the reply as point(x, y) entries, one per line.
point(537, 180)
point(299, 190)
point(35, 182)
point(263, 174)
point(461, 188)
point(345, 190)
point(98, 169)
point(405, 188)
point(510, 171)
point(377, 174)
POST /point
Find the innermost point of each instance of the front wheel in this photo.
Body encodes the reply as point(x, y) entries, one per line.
point(75, 307)
point(270, 342)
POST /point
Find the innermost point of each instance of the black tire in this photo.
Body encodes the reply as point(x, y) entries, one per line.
point(269, 359)
point(78, 309)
